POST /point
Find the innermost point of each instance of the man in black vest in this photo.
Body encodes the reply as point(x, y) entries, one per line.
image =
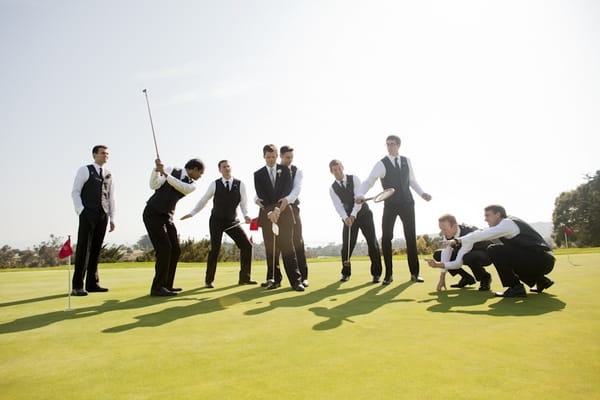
point(169, 185)
point(227, 193)
point(523, 255)
point(396, 172)
point(273, 182)
point(354, 216)
point(95, 204)
point(476, 259)
point(286, 154)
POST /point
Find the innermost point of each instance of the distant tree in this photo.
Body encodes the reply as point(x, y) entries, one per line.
point(579, 209)
point(143, 243)
point(8, 257)
point(111, 254)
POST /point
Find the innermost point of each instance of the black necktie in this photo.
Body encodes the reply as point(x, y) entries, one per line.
point(227, 185)
point(101, 176)
point(342, 184)
point(396, 161)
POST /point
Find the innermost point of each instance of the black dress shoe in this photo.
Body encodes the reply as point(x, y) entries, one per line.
point(514, 291)
point(79, 292)
point(542, 284)
point(299, 288)
point(266, 283)
point(274, 285)
point(162, 292)
point(344, 278)
point(247, 283)
point(175, 289)
point(463, 282)
point(417, 278)
point(485, 283)
point(96, 288)
point(376, 279)
point(208, 285)
point(387, 281)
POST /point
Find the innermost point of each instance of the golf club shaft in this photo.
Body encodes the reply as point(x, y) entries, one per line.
point(349, 229)
point(151, 123)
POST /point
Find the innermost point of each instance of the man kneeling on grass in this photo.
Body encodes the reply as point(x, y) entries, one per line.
point(523, 256)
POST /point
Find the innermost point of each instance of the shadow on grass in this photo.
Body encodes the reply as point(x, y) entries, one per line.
point(203, 305)
point(310, 297)
point(360, 305)
point(34, 300)
point(537, 304)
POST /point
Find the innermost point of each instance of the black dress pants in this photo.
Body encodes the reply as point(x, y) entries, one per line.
point(163, 235)
point(92, 229)
point(406, 212)
point(217, 226)
point(285, 243)
point(516, 264)
point(299, 243)
point(475, 259)
point(364, 222)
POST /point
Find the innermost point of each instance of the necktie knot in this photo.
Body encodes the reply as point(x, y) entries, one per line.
point(227, 185)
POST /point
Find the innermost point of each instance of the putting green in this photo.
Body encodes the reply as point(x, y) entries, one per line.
point(352, 340)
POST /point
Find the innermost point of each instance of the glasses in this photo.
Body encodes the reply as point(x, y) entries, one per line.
point(391, 144)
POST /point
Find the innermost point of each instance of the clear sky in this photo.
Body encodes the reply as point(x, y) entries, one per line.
point(495, 102)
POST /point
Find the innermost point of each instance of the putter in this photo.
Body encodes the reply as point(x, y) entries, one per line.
point(275, 229)
point(151, 123)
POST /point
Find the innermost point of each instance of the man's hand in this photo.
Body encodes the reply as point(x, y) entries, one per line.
point(349, 221)
point(284, 204)
point(434, 264)
point(274, 215)
point(112, 227)
point(442, 283)
point(426, 196)
point(160, 167)
point(259, 202)
point(186, 216)
point(247, 219)
point(359, 199)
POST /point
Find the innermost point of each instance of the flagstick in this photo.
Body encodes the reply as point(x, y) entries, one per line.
point(568, 253)
point(69, 285)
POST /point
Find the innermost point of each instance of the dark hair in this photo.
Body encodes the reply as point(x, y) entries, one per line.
point(195, 163)
point(269, 148)
point(333, 163)
point(496, 209)
point(285, 149)
point(97, 148)
point(394, 138)
point(448, 218)
point(221, 162)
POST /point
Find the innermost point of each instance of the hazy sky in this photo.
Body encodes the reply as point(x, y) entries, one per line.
point(495, 102)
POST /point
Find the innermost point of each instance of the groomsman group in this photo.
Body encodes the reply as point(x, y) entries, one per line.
point(517, 251)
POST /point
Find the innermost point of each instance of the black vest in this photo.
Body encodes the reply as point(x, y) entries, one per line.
point(165, 198)
point(226, 201)
point(95, 191)
point(346, 195)
point(527, 238)
point(399, 180)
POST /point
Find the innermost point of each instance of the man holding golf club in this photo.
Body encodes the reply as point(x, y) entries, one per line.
point(274, 182)
point(94, 201)
point(523, 255)
point(396, 172)
point(227, 193)
point(355, 216)
point(476, 259)
point(286, 154)
point(169, 185)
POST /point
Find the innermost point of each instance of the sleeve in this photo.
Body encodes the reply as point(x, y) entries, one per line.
point(243, 200)
point(337, 204)
point(357, 207)
point(156, 180)
point(296, 187)
point(377, 172)
point(210, 192)
point(506, 228)
point(81, 178)
point(111, 202)
point(412, 181)
point(458, 262)
point(180, 186)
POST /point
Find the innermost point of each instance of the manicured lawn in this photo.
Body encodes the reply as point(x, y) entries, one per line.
point(352, 340)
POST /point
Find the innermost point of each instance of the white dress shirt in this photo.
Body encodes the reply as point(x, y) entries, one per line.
point(157, 180)
point(210, 192)
point(378, 172)
point(296, 187)
point(82, 176)
point(337, 202)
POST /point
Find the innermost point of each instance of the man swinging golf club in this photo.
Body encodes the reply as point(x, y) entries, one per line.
point(355, 217)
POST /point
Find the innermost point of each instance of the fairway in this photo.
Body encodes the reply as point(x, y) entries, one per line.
point(352, 340)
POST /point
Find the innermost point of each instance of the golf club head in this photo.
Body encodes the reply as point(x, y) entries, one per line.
point(346, 264)
point(275, 229)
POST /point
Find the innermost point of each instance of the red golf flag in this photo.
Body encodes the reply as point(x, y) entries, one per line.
point(254, 224)
point(567, 230)
point(66, 249)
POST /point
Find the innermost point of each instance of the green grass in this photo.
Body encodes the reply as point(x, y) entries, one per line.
point(353, 340)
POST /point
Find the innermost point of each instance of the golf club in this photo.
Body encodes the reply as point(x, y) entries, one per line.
point(387, 193)
point(151, 123)
point(236, 223)
point(275, 229)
